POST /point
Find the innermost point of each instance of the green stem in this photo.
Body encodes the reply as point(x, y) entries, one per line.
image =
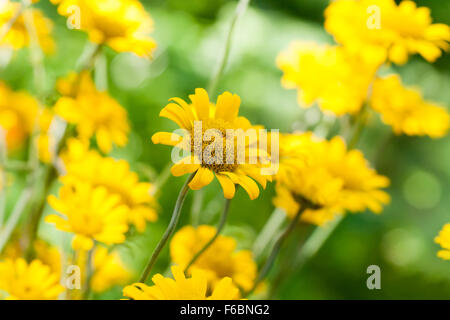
point(20, 207)
point(276, 249)
point(3, 161)
point(169, 231)
point(241, 7)
point(222, 221)
point(89, 273)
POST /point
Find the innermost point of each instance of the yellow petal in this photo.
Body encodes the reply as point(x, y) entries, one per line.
point(175, 113)
point(202, 178)
point(228, 106)
point(167, 138)
point(186, 165)
point(227, 186)
point(200, 100)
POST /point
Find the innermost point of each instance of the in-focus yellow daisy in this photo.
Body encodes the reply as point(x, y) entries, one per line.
point(224, 165)
point(17, 115)
point(182, 288)
point(34, 281)
point(91, 213)
point(443, 239)
point(18, 36)
point(94, 113)
point(406, 111)
point(123, 25)
point(325, 75)
point(108, 269)
point(381, 30)
point(331, 178)
point(220, 260)
point(83, 165)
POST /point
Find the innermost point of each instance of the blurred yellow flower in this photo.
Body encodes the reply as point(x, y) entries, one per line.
point(17, 115)
point(91, 213)
point(331, 178)
point(34, 281)
point(83, 165)
point(94, 113)
point(381, 30)
point(444, 240)
point(327, 75)
point(406, 111)
point(182, 288)
point(220, 260)
point(44, 252)
point(124, 25)
point(108, 269)
point(17, 37)
point(218, 118)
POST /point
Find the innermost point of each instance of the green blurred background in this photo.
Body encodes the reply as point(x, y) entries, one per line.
point(190, 37)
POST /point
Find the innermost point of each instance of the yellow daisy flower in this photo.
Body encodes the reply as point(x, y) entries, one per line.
point(444, 240)
point(123, 25)
point(91, 213)
point(17, 114)
point(83, 165)
point(406, 111)
point(327, 75)
point(108, 123)
point(34, 281)
point(220, 260)
point(381, 30)
point(17, 37)
point(182, 288)
point(108, 269)
point(44, 252)
point(220, 118)
point(331, 178)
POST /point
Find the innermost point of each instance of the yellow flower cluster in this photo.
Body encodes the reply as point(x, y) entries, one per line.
point(33, 281)
point(327, 177)
point(47, 254)
point(123, 25)
point(17, 115)
point(406, 111)
point(381, 30)
point(220, 117)
point(327, 75)
point(220, 260)
point(109, 123)
point(342, 78)
point(182, 288)
point(443, 239)
point(17, 36)
point(83, 165)
point(91, 213)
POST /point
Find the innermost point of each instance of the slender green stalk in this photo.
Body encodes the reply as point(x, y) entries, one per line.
point(169, 231)
point(276, 249)
point(36, 54)
point(20, 207)
point(3, 160)
point(222, 221)
point(264, 240)
point(240, 9)
point(89, 273)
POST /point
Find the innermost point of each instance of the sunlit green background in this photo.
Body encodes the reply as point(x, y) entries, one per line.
point(190, 36)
